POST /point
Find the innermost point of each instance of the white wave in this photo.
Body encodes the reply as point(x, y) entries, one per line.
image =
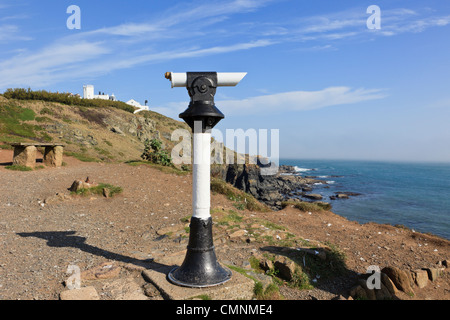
point(331, 182)
point(297, 169)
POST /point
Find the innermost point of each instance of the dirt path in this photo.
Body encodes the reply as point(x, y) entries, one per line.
point(38, 241)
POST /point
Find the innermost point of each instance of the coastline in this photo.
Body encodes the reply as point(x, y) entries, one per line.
point(408, 194)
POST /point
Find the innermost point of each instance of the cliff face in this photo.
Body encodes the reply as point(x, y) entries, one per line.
point(89, 133)
point(270, 189)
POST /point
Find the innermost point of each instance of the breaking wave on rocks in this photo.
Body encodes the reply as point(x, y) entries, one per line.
point(298, 169)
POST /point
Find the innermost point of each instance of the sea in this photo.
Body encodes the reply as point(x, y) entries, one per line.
point(415, 195)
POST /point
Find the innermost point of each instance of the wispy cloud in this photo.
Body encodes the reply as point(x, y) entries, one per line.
point(415, 25)
point(80, 60)
point(351, 25)
point(296, 101)
point(93, 53)
point(49, 65)
point(10, 32)
point(301, 100)
point(100, 51)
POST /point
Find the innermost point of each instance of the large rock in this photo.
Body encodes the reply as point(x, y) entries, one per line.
point(266, 264)
point(78, 184)
point(420, 278)
point(313, 196)
point(270, 189)
point(53, 157)
point(369, 292)
point(433, 273)
point(285, 266)
point(358, 292)
point(382, 293)
point(140, 127)
point(389, 285)
point(25, 156)
point(400, 278)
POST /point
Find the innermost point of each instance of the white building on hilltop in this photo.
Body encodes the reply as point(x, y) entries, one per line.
point(136, 104)
point(88, 93)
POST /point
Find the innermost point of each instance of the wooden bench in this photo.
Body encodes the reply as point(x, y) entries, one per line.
point(25, 154)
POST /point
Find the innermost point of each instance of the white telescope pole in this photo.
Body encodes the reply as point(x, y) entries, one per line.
point(201, 199)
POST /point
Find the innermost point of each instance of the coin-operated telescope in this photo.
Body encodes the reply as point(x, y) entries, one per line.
point(200, 267)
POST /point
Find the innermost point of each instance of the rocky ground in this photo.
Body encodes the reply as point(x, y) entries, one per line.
point(46, 232)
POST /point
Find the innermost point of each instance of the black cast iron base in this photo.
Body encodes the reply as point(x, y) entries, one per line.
point(200, 267)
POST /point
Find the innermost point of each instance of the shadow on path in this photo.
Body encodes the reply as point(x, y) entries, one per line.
point(61, 239)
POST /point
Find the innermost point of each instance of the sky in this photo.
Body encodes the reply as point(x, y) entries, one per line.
point(337, 80)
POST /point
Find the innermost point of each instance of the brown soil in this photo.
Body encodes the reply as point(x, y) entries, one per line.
point(39, 241)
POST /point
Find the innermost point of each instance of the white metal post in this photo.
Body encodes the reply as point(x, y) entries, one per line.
point(201, 198)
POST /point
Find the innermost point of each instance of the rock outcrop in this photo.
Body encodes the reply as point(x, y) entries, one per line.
point(394, 280)
point(270, 189)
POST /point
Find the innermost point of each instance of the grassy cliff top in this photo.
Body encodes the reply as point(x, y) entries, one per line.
point(92, 130)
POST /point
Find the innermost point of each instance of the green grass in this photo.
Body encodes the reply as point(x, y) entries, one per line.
point(307, 206)
point(98, 190)
point(43, 119)
point(271, 292)
point(203, 297)
point(16, 167)
point(81, 156)
point(14, 126)
point(165, 169)
point(231, 218)
point(47, 111)
point(108, 143)
point(186, 219)
point(273, 226)
point(102, 151)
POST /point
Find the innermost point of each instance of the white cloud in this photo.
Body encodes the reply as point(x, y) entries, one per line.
point(300, 100)
point(286, 101)
point(128, 29)
point(97, 52)
point(351, 24)
point(9, 32)
point(62, 61)
point(53, 63)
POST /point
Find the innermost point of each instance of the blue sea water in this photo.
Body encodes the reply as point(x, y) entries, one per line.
point(416, 195)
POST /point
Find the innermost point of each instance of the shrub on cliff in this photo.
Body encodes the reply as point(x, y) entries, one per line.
point(64, 98)
point(155, 153)
point(307, 206)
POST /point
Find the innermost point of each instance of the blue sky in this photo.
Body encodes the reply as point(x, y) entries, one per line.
point(334, 88)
